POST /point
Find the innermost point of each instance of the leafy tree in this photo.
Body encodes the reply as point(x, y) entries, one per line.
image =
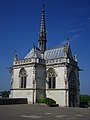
point(85, 98)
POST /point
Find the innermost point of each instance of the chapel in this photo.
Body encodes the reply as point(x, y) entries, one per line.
point(51, 73)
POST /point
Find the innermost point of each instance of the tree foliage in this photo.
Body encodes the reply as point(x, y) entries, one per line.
point(85, 98)
point(48, 101)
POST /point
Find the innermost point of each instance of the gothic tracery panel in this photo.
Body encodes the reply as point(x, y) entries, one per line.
point(23, 78)
point(51, 78)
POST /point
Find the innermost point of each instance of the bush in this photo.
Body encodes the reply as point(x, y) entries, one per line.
point(48, 101)
point(5, 94)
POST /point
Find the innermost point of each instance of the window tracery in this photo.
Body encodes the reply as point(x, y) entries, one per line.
point(51, 79)
point(23, 78)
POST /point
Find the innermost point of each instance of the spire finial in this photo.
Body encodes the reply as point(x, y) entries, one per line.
point(68, 41)
point(42, 34)
point(15, 52)
point(43, 6)
point(15, 55)
point(34, 45)
point(75, 57)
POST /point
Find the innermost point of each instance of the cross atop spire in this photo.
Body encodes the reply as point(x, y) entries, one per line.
point(42, 33)
point(43, 7)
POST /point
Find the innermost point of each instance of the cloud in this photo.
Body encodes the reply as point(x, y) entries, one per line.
point(79, 24)
point(79, 34)
point(74, 30)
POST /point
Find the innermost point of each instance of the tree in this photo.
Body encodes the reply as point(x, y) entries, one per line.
point(85, 98)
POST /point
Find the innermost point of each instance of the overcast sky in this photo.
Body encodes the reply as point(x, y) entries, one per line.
point(20, 24)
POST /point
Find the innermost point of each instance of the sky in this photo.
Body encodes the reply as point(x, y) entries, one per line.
point(20, 24)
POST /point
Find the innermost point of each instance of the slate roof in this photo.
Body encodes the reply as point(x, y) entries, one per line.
point(34, 52)
point(54, 53)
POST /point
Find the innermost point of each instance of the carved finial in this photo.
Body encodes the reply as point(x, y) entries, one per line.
point(75, 57)
point(68, 41)
point(15, 55)
point(15, 52)
point(33, 45)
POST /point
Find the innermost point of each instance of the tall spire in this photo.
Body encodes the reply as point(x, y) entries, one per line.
point(42, 34)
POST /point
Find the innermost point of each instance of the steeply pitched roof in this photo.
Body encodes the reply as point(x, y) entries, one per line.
point(59, 52)
point(34, 52)
point(54, 53)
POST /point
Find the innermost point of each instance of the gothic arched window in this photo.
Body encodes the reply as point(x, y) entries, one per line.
point(23, 78)
point(51, 79)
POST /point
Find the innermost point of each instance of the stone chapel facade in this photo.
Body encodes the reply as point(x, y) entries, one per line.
point(52, 73)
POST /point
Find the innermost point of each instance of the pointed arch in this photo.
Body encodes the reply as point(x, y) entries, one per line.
point(51, 78)
point(23, 78)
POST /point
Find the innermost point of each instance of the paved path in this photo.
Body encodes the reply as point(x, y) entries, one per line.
point(42, 112)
